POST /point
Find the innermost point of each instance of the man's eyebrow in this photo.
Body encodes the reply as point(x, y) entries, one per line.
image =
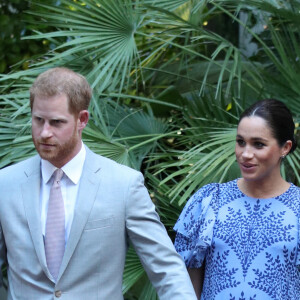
point(58, 119)
point(36, 115)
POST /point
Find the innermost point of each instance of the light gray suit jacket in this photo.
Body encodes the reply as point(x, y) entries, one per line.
point(112, 207)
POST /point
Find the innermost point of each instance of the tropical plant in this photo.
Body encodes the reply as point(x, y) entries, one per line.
point(15, 52)
point(169, 86)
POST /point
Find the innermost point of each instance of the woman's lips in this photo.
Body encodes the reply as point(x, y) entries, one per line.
point(248, 167)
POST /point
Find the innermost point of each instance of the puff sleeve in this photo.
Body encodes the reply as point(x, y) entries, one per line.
point(298, 246)
point(195, 225)
point(297, 260)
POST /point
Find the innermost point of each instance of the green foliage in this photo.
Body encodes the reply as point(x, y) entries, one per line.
point(169, 85)
point(15, 52)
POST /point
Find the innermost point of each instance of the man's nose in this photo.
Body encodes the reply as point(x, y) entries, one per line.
point(46, 131)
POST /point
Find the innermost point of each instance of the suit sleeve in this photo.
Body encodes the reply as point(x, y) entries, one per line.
point(164, 267)
point(2, 254)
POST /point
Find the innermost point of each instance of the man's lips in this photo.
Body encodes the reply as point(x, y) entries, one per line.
point(46, 145)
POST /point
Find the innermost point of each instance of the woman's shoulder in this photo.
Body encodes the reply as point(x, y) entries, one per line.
point(291, 198)
point(294, 188)
point(203, 196)
point(196, 222)
point(207, 198)
point(292, 194)
point(214, 190)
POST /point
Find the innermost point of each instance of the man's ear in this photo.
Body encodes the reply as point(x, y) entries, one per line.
point(83, 118)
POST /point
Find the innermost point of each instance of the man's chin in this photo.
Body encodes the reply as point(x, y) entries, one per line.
point(47, 155)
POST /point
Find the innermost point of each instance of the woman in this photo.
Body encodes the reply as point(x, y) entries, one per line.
point(241, 239)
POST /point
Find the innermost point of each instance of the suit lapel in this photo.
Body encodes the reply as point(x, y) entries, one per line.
point(89, 185)
point(31, 199)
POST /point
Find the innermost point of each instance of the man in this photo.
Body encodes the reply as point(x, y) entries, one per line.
point(67, 237)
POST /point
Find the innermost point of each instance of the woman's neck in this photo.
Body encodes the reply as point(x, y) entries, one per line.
point(262, 189)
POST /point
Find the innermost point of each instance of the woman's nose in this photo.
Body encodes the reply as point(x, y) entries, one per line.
point(247, 152)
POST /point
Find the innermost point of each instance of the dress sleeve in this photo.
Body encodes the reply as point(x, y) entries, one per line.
point(195, 225)
point(297, 262)
point(298, 243)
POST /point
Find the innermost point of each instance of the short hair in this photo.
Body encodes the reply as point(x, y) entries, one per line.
point(60, 80)
point(277, 116)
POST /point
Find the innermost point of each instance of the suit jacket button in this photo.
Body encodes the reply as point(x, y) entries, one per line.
point(57, 294)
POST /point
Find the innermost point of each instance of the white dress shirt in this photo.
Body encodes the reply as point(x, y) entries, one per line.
point(69, 188)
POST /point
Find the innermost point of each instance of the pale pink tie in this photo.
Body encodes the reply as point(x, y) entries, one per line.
point(55, 226)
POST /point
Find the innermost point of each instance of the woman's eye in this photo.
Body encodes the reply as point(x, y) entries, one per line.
point(259, 145)
point(240, 142)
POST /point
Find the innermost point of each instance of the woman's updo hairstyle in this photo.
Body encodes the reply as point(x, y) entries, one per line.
point(277, 116)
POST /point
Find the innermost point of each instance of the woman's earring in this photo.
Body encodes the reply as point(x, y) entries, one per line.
point(282, 156)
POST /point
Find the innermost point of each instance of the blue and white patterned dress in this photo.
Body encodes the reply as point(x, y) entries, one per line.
point(251, 246)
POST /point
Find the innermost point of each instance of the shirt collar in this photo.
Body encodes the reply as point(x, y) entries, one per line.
point(72, 169)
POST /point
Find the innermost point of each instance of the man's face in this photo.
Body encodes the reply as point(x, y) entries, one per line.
point(56, 133)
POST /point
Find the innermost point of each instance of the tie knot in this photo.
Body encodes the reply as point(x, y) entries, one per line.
point(58, 174)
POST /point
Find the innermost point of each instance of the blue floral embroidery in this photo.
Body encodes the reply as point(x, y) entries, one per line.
point(243, 297)
point(280, 280)
point(251, 247)
point(218, 270)
point(291, 202)
point(229, 192)
point(186, 248)
point(253, 232)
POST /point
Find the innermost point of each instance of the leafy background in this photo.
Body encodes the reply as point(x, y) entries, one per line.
point(170, 79)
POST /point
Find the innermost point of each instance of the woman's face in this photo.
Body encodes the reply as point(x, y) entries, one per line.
point(257, 151)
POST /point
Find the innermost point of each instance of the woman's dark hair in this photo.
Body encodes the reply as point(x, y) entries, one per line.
point(277, 116)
